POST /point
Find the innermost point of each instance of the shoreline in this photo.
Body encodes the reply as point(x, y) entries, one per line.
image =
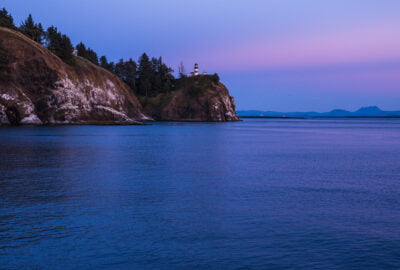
point(319, 117)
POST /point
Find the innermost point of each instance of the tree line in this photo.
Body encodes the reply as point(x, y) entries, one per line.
point(147, 77)
point(58, 43)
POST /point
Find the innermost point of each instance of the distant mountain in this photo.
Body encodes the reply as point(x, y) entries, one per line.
point(372, 111)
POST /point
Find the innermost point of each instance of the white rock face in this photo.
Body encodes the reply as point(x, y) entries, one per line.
point(79, 101)
point(20, 105)
point(3, 116)
point(223, 106)
point(69, 103)
point(31, 120)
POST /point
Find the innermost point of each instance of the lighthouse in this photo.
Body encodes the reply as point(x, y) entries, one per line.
point(196, 72)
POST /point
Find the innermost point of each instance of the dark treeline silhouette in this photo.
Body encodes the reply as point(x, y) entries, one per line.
point(33, 30)
point(147, 77)
point(6, 20)
point(87, 53)
point(59, 44)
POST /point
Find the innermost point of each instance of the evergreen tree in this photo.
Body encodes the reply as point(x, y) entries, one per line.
point(6, 20)
point(87, 53)
point(81, 48)
point(59, 44)
point(40, 34)
point(119, 69)
point(32, 30)
point(111, 66)
point(28, 27)
point(166, 76)
point(162, 78)
point(130, 74)
point(92, 56)
point(156, 77)
point(145, 74)
point(126, 71)
point(104, 64)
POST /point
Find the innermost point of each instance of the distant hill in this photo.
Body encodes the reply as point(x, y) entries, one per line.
point(372, 111)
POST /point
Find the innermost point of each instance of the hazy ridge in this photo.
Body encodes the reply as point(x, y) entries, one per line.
point(371, 111)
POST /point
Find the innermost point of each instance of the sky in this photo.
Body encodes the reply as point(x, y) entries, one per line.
point(282, 55)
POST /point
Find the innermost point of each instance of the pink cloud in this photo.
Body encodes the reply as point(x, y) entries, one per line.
point(348, 46)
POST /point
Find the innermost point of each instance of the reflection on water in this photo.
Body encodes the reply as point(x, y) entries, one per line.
point(276, 194)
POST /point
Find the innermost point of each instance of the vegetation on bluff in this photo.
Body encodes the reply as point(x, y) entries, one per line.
point(6, 20)
point(87, 53)
point(58, 43)
point(33, 30)
point(197, 85)
point(196, 98)
point(40, 88)
point(148, 77)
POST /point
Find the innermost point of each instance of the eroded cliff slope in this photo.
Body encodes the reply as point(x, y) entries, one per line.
point(199, 98)
point(36, 87)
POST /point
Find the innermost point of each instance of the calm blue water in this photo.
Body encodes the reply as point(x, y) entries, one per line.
point(258, 194)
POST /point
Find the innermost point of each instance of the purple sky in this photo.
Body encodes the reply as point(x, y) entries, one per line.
point(286, 55)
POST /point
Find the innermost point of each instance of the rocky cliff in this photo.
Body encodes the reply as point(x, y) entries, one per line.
point(36, 87)
point(199, 98)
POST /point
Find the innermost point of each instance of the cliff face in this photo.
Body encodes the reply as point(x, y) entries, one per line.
point(36, 87)
point(199, 98)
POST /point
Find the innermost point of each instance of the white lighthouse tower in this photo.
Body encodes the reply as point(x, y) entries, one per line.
point(196, 72)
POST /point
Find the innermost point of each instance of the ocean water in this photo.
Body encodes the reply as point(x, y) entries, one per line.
point(257, 194)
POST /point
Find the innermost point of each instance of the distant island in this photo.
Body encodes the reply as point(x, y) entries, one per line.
point(371, 111)
point(44, 79)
